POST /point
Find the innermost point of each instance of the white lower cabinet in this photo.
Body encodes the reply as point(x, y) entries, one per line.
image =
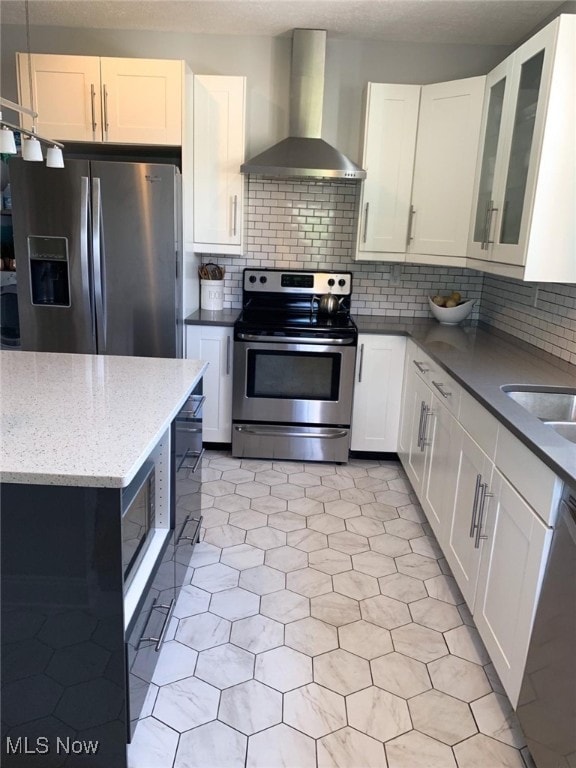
point(377, 393)
point(463, 546)
point(213, 343)
point(466, 470)
point(514, 552)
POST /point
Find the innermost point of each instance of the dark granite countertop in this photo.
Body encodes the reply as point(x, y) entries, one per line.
point(225, 317)
point(482, 362)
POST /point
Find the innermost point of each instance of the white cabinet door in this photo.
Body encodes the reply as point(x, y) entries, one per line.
point(142, 100)
point(514, 554)
point(88, 98)
point(448, 134)
point(388, 157)
point(213, 343)
point(464, 545)
point(66, 95)
point(377, 393)
point(419, 408)
point(439, 486)
point(218, 129)
point(525, 191)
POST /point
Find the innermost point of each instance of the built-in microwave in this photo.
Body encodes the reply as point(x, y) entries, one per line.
point(138, 519)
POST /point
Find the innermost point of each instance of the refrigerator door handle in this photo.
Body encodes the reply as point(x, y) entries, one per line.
point(98, 262)
point(84, 261)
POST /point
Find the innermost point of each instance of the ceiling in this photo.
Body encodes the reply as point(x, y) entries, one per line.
point(483, 22)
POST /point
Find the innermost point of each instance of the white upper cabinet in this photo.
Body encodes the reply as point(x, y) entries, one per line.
point(420, 145)
point(388, 158)
point(448, 135)
point(218, 152)
point(523, 222)
point(88, 98)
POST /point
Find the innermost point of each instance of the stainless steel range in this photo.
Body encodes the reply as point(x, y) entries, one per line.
point(294, 358)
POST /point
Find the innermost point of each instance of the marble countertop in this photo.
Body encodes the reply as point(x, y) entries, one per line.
point(86, 420)
point(483, 362)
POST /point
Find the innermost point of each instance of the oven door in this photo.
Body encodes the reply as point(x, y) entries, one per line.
point(293, 383)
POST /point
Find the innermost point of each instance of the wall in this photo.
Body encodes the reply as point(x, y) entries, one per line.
point(265, 61)
point(349, 65)
point(542, 314)
point(312, 225)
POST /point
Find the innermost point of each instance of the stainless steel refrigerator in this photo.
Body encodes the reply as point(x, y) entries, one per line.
point(98, 255)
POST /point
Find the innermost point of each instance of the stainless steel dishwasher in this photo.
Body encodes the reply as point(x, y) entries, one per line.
point(547, 704)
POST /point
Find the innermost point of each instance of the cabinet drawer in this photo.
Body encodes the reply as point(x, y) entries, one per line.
point(479, 424)
point(533, 480)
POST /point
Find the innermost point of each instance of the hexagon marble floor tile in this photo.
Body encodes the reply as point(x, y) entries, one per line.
point(320, 627)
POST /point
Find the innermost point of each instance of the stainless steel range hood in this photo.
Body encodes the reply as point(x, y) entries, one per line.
point(304, 153)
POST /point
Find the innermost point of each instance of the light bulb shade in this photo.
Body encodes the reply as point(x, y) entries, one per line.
point(32, 150)
point(54, 158)
point(7, 143)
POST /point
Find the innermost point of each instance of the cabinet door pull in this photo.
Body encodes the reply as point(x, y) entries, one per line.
point(475, 505)
point(410, 236)
point(491, 211)
point(481, 507)
point(365, 235)
point(421, 367)
point(105, 103)
point(427, 411)
point(361, 363)
point(234, 214)
point(228, 346)
point(194, 538)
point(92, 100)
point(419, 441)
point(440, 387)
point(160, 639)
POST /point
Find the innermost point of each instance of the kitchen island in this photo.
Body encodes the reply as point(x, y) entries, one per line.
point(79, 434)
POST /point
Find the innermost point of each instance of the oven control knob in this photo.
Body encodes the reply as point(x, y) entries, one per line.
point(263, 279)
point(252, 278)
point(341, 282)
point(331, 281)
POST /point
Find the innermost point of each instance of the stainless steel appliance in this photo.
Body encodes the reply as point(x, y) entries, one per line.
point(293, 366)
point(98, 249)
point(547, 704)
point(138, 519)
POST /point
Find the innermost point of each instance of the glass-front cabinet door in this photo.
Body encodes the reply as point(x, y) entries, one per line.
point(515, 110)
point(496, 84)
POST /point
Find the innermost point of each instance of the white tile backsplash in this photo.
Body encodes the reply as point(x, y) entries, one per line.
point(311, 224)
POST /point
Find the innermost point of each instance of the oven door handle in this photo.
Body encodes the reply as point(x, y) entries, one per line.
point(294, 339)
point(330, 432)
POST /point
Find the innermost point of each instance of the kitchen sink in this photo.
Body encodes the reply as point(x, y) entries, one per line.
point(554, 406)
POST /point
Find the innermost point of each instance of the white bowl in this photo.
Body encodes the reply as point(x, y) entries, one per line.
point(451, 315)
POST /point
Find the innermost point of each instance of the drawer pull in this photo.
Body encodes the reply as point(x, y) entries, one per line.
point(190, 430)
point(440, 387)
point(194, 413)
point(192, 539)
point(160, 639)
point(421, 367)
point(198, 455)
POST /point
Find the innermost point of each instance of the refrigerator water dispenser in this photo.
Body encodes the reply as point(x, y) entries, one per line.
point(49, 274)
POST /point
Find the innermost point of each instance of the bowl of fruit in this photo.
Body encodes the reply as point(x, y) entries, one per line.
point(451, 309)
